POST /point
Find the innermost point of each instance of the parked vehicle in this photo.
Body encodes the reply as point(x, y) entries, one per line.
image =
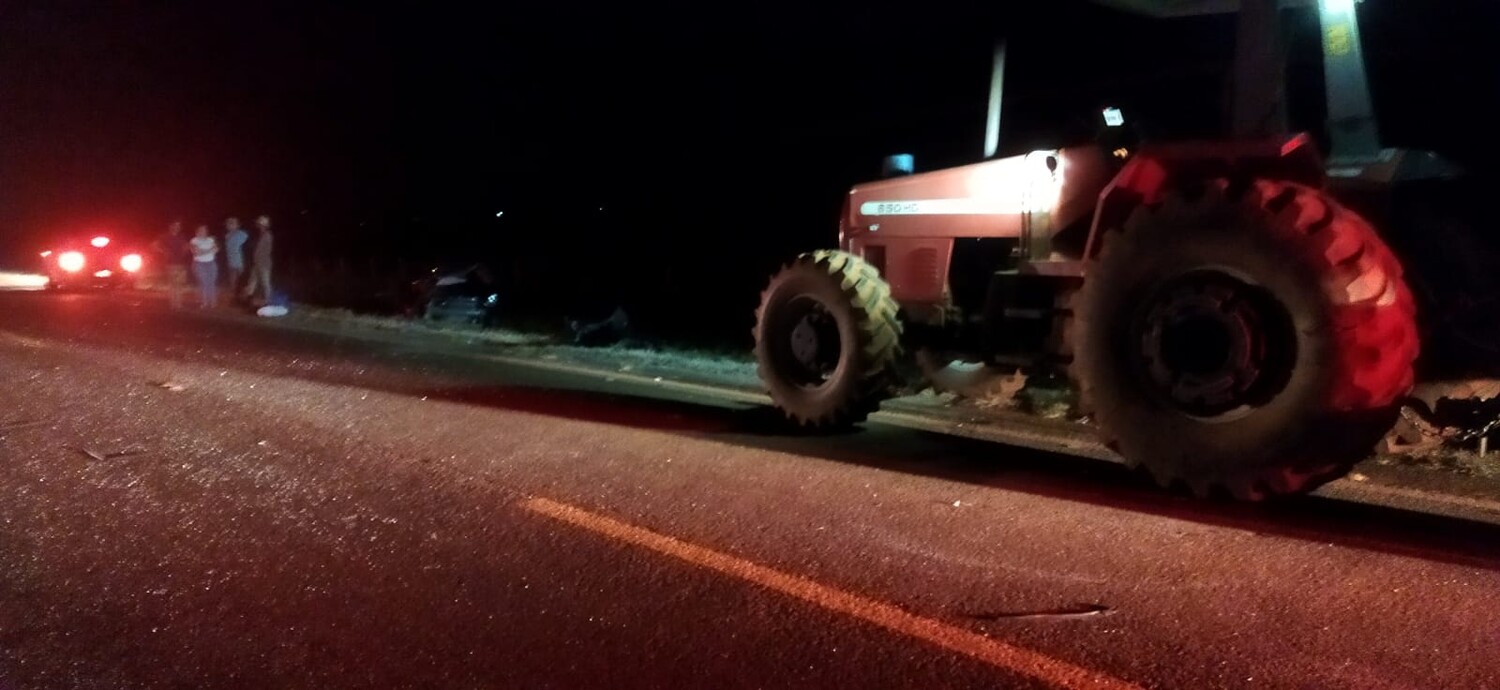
point(457, 293)
point(99, 261)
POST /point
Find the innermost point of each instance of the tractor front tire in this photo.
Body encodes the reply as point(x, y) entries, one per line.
point(827, 340)
point(1257, 340)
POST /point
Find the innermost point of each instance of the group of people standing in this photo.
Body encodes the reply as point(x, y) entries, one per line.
point(199, 255)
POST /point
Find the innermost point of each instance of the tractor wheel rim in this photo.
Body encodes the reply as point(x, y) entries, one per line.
point(812, 344)
point(1211, 344)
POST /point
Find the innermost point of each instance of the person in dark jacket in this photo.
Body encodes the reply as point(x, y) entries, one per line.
point(173, 256)
point(260, 261)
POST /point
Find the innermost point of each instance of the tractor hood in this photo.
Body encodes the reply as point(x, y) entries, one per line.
point(996, 198)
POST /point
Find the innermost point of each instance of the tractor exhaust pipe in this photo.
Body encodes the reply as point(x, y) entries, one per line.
point(997, 90)
point(902, 163)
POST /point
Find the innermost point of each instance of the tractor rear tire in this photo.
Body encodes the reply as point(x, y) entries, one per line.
point(1257, 340)
point(827, 340)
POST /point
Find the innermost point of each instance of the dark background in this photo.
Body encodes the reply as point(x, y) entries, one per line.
point(717, 138)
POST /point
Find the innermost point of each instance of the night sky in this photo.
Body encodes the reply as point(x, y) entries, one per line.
point(700, 128)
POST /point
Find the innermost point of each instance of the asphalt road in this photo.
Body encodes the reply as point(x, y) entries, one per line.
point(195, 501)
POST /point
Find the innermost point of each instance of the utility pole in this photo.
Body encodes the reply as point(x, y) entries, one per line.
point(1351, 114)
point(1259, 71)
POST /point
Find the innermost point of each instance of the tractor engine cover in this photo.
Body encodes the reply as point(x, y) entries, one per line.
point(906, 226)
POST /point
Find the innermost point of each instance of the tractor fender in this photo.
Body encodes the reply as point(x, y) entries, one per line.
point(1157, 169)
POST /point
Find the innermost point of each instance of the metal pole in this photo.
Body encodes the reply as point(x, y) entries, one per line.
point(1259, 99)
point(1351, 116)
point(997, 90)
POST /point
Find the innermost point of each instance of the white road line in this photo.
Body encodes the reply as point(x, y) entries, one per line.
point(1016, 437)
point(1360, 491)
point(1342, 489)
point(719, 392)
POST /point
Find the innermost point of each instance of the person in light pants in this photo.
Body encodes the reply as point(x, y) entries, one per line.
point(234, 253)
point(206, 266)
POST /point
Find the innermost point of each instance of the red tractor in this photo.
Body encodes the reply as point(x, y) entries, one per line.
point(1233, 315)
